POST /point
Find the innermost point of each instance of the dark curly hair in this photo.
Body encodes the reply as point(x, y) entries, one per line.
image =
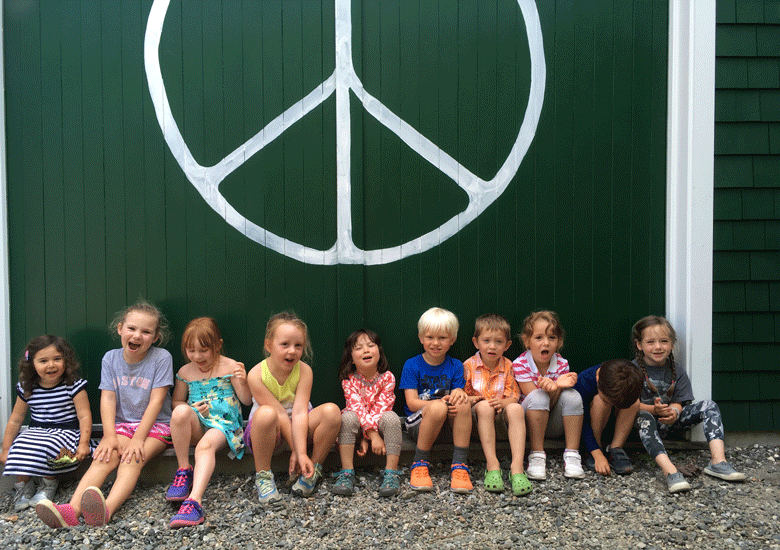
point(347, 367)
point(28, 376)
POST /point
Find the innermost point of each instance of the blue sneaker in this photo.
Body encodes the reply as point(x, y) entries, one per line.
point(190, 513)
point(181, 486)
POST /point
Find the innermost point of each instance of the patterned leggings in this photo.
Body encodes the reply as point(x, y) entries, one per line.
point(389, 429)
point(651, 431)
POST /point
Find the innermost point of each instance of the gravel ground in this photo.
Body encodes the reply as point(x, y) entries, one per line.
point(633, 511)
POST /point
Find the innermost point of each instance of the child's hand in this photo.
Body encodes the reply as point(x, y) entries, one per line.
point(457, 396)
point(82, 451)
point(133, 450)
point(293, 463)
point(377, 443)
point(362, 448)
point(546, 384)
point(202, 407)
point(602, 465)
point(4, 456)
point(105, 449)
point(660, 408)
point(566, 380)
point(239, 373)
point(495, 402)
point(307, 466)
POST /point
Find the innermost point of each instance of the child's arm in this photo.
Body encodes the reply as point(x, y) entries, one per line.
point(180, 389)
point(109, 442)
point(84, 414)
point(135, 447)
point(13, 427)
point(300, 423)
point(413, 401)
point(239, 381)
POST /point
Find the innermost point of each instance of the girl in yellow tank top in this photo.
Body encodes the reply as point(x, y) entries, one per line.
point(281, 388)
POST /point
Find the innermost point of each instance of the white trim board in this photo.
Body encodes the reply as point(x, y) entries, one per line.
point(690, 188)
point(689, 212)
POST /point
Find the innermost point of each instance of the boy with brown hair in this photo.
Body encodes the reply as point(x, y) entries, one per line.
point(493, 395)
point(612, 387)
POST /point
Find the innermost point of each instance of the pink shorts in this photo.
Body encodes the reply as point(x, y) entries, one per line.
point(159, 431)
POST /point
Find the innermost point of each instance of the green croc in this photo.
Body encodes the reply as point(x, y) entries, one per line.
point(494, 481)
point(520, 485)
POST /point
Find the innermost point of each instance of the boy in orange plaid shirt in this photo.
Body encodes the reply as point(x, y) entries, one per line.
point(494, 394)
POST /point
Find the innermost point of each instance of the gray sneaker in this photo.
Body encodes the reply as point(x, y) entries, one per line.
point(676, 483)
point(24, 491)
point(46, 490)
point(266, 487)
point(724, 470)
point(305, 486)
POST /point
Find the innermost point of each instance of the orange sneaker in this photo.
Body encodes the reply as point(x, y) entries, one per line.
point(420, 479)
point(460, 482)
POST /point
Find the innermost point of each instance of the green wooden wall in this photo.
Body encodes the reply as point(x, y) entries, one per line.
point(100, 212)
point(746, 294)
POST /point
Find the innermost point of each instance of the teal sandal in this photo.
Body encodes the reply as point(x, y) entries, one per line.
point(494, 481)
point(520, 485)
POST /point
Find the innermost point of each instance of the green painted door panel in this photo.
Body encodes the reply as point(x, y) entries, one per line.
point(386, 148)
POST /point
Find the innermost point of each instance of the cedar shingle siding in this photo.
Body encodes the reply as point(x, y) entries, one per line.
point(746, 294)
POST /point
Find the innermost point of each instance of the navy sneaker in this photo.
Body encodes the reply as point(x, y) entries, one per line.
point(181, 486)
point(618, 460)
point(190, 513)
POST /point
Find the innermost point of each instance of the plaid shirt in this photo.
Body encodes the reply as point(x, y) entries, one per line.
point(482, 381)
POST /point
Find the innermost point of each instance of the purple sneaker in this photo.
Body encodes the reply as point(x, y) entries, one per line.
point(190, 513)
point(181, 486)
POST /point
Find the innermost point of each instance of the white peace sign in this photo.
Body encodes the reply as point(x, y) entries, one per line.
point(206, 179)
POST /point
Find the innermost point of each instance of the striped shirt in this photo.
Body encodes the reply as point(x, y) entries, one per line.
point(52, 407)
point(526, 371)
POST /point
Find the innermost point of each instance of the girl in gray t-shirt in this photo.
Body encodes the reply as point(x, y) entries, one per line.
point(135, 409)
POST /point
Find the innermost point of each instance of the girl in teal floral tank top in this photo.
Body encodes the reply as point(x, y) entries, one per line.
point(207, 401)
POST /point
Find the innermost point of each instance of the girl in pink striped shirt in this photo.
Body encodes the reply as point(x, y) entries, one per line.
point(368, 420)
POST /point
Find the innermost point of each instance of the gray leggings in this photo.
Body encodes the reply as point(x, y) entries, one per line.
point(569, 404)
point(651, 431)
point(389, 429)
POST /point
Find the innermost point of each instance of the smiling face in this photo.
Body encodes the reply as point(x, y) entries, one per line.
point(137, 333)
point(285, 348)
point(436, 345)
point(656, 345)
point(201, 356)
point(543, 343)
point(491, 345)
point(49, 363)
point(365, 356)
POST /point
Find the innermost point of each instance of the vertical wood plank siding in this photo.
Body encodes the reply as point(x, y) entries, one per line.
point(100, 212)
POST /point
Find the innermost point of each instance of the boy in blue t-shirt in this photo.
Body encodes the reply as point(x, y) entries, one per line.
point(433, 387)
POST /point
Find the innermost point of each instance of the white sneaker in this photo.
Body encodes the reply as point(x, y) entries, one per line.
point(572, 465)
point(24, 490)
point(537, 467)
point(46, 490)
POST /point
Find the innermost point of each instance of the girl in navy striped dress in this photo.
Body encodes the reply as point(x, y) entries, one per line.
point(58, 437)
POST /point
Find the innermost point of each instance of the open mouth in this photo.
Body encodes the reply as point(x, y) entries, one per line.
point(133, 347)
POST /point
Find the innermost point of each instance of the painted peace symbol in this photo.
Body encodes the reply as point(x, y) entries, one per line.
point(206, 179)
